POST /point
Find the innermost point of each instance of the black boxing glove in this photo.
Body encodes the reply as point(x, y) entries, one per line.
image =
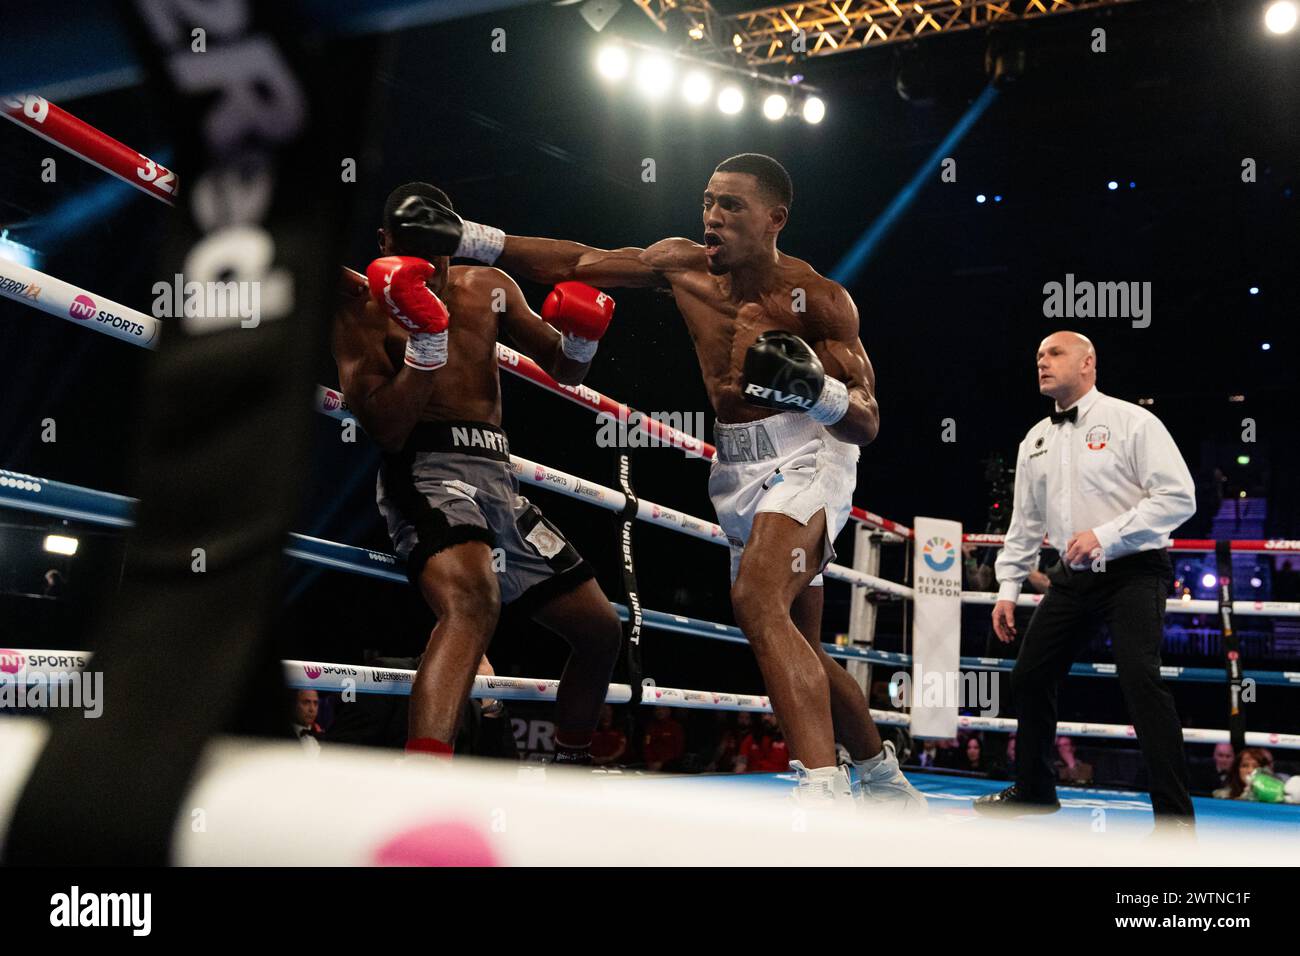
point(782, 372)
point(428, 229)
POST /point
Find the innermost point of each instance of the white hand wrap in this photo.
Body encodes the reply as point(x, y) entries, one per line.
point(831, 404)
point(579, 349)
point(480, 242)
point(426, 351)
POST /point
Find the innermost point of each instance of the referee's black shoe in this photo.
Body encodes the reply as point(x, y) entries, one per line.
point(1011, 802)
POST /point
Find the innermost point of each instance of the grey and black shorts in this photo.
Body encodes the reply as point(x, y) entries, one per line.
point(452, 483)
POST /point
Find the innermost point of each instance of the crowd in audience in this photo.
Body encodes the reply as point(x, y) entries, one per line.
point(698, 741)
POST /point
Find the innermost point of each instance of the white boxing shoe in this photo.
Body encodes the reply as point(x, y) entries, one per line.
point(821, 786)
point(880, 783)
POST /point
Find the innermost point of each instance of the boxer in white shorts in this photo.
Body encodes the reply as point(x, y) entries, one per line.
point(787, 464)
point(778, 344)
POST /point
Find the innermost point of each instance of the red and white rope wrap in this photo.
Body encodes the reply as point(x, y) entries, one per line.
point(79, 138)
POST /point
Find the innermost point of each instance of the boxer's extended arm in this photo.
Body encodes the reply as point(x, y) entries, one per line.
point(844, 358)
point(557, 260)
point(386, 402)
point(530, 334)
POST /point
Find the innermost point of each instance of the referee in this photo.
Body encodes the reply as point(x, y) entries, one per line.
point(1104, 482)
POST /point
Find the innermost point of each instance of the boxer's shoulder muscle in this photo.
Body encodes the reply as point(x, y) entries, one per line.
point(829, 310)
point(674, 255)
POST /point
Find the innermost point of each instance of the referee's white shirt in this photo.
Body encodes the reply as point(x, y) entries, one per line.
point(1114, 471)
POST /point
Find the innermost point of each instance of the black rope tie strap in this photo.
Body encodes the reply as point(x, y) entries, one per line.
point(631, 596)
point(1231, 646)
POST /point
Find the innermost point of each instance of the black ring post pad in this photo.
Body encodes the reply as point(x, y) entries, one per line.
point(223, 452)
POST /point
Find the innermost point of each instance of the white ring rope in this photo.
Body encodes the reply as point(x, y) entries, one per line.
point(57, 666)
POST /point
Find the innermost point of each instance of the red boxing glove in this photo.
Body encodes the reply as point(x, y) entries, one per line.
point(398, 284)
point(582, 314)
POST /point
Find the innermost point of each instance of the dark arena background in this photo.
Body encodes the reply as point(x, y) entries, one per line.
point(964, 157)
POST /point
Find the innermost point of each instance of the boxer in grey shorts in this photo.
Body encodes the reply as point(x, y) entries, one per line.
point(415, 340)
point(452, 483)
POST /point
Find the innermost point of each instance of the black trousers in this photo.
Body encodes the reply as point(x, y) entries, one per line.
point(1130, 597)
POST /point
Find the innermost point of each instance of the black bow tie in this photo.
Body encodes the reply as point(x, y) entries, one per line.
point(1070, 415)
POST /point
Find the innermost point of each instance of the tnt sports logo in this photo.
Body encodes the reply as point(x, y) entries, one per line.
point(939, 554)
point(312, 671)
point(1097, 437)
point(11, 662)
point(539, 474)
point(332, 401)
point(83, 307)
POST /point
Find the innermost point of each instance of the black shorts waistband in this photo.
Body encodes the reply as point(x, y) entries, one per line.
point(462, 438)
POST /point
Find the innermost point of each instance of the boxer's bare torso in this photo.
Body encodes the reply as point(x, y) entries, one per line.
point(724, 322)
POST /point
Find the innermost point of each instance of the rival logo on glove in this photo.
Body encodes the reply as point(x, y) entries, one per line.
point(784, 398)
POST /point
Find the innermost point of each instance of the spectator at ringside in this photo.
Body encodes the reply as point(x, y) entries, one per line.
point(664, 741)
point(764, 750)
point(1214, 773)
point(608, 743)
point(973, 756)
point(928, 756)
point(1007, 767)
point(724, 757)
point(1238, 785)
point(1224, 758)
point(1069, 768)
point(306, 705)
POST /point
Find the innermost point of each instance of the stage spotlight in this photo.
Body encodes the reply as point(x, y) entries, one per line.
point(1280, 17)
point(611, 62)
point(775, 106)
point(1254, 290)
point(814, 110)
point(60, 544)
point(1207, 580)
point(1112, 185)
point(1265, 346)
point(697, 87)
point(654, 75)
point(731, 100)
point(980, 198)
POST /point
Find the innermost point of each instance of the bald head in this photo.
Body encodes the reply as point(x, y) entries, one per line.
point(1067, 367)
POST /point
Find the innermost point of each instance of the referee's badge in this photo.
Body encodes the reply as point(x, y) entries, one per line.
point(1097, 437)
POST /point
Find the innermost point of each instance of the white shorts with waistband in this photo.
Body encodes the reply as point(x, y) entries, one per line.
point(787, 464)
